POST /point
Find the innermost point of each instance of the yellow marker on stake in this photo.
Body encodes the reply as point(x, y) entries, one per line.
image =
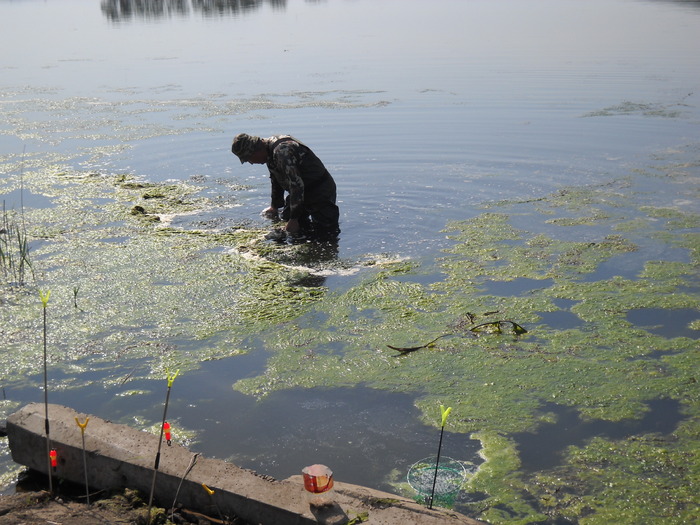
point(82, 432)
point(211, 493)
point(444, 412)
point(44, 296)
point(171, 379)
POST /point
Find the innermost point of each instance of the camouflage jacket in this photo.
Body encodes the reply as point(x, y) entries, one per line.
point(294, 168)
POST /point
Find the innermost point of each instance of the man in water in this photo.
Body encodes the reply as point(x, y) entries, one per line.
point(309, 208)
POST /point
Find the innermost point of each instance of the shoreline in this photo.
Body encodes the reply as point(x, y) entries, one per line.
point(113, 457)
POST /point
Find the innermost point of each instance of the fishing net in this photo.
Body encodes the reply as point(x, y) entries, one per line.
point(450, 477)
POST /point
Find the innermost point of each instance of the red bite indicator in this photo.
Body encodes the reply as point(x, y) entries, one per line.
point(166, 429)
point(54, 458)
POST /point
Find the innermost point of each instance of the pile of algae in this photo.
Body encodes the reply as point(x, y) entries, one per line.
point(500, 383)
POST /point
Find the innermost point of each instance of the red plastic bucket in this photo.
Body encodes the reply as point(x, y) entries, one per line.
point(317, 479)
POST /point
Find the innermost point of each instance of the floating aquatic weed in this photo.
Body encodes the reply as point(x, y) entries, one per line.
point(644, 478)
point(603, 368)
point(646, 109)
point(146, 284)
point(499, 477)
point(675, 219)
point(606, 368)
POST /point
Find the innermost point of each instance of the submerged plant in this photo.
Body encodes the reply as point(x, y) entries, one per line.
point(76, 289)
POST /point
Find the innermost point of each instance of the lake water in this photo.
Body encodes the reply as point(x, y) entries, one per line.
point(422, 111)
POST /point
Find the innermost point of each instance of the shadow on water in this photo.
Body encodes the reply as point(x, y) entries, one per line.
point(544, 449)
point(368, 437)
point(360, 433)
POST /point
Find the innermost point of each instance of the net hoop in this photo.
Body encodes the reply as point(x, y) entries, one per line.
point(450, 476)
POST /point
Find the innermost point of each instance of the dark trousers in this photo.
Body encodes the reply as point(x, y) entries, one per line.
point(319, 217)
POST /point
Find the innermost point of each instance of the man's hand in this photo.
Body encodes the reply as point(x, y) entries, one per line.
point(270, 213)
point(292, 226)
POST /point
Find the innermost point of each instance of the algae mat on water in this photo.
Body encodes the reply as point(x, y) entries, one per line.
point(126, 289)
point(501, 383)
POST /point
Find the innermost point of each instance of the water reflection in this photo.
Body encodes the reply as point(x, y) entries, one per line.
point(689, 3)
point(121, 10)
point(546, 448)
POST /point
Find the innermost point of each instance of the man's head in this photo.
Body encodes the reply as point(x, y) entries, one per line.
point(247, 148)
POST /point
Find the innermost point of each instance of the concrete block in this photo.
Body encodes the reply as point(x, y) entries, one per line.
point(119, 456)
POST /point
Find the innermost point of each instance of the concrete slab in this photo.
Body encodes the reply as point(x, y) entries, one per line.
point(119, 456)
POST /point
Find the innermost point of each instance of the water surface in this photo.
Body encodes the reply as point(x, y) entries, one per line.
point(424, 112)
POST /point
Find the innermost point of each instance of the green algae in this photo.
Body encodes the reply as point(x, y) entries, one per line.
point(155, 296)
point(607, 369)
point(648, 478)
point(135, 117)
point(639, 108)
point(150, 285)
point(499, 476)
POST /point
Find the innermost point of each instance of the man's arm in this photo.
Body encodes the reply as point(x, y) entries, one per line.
point(276, 199)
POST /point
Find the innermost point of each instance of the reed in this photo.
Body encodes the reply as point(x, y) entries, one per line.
point(15, 262)
point(14, 245)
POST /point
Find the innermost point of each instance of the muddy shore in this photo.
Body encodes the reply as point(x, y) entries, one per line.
point(127, 507)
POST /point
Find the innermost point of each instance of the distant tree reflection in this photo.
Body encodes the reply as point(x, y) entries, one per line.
point(121, 10)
